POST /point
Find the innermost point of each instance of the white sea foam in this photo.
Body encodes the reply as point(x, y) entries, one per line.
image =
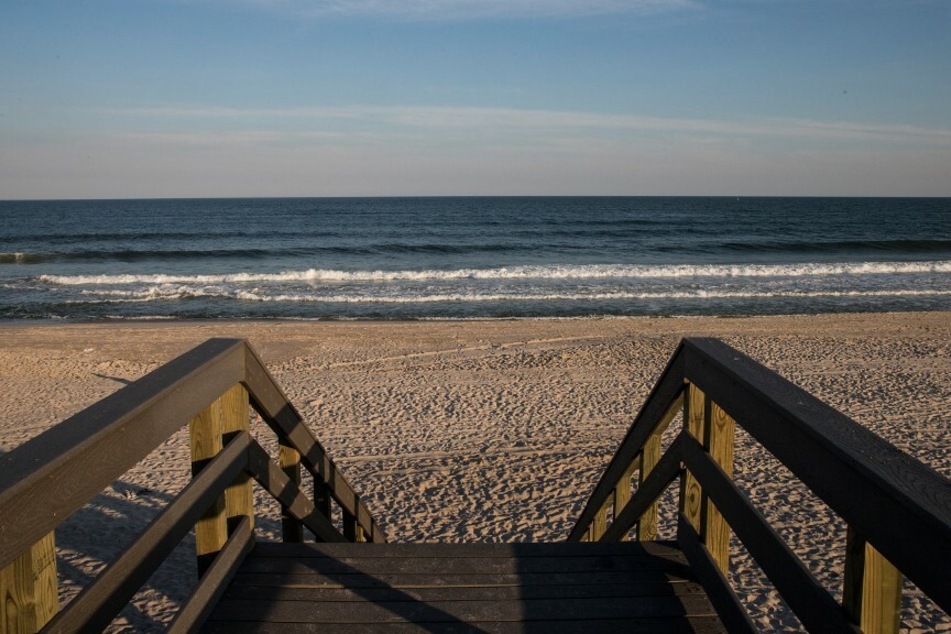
point(549, 272)
point(169, 294)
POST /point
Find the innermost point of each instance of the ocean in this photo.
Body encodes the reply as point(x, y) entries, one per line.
point(471, 257)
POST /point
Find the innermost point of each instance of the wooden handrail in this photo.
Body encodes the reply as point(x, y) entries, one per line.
point(893, 504)
point(48, 478)
point(52, 475)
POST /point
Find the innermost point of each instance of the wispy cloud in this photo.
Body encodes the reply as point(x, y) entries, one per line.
point(506, 122)
point(469, 9)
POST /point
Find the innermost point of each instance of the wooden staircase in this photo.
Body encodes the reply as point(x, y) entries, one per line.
point(546, 588)
point(610, 574)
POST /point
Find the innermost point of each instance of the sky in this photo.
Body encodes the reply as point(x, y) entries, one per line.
point(235, 98)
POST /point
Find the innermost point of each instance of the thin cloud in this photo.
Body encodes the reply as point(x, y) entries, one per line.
point(470, 9)
point(547, 123)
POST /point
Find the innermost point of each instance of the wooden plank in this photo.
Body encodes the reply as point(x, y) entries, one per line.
point(459, 566)
point(111, 590)
point(622, 490)
point(873, 586)
point(39, 481)
point(273, 406)
point(721, 594)
point(17, 596)
point(672, 625)
point(662, 549)
point(646, 529)
point(718, 440)
point(600, 522)
point(692, 501)
point(357, 579)
point(655, 409)
point(465, 593)
point(28, 588)
point(289, 461)
point(213, 584)
point(275, 482)
point(811, 602)
point(205, 439)
point(322, 496)
point(663, 474)
point(465, 611)
point(899, 503)
point(239, 497)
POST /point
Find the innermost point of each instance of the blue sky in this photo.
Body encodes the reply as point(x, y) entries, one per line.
point(168, 98)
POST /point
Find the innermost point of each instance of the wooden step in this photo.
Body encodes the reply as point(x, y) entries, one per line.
point(544, 588)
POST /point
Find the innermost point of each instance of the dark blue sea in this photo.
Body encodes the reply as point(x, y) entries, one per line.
point(420, 258)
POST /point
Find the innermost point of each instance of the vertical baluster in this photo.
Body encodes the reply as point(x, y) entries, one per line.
point(289, 459)
point(350, 526)
point(622, 491)
point(691, 495)
point(718, 440)
point(647, 523)
point(872, 592)
point(211, 531)
point(600, 522)
point(239, 497)
point(28, 589)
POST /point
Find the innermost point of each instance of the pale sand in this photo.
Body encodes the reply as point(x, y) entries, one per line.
point(485, 431)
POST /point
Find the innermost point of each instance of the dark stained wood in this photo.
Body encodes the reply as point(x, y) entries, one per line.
point(289, 460)
point(275, 481)
point(660, 477)
point(567, 587)
point(39, 483)
point(359, 580)
point(658, 403)
point(682, 625)
point(213, 583)
point(438, 550)
point(708, 572)
point(510, 592)
point(101, 600)
point(520, 610)
point(273, 406)
point(811, 602)
point(458, 566)
point(900, 505)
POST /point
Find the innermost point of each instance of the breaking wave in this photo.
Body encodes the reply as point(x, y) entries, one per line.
point(548, 272)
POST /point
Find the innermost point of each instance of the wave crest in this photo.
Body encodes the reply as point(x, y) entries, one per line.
point(550, 272)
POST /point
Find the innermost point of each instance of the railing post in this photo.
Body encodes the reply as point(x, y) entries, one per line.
point(691, 496)
point(600, 522)
point(714, 429)
point(321, 495)
point(647, 523)
point(350, 526)
point(29, 590)
point(718, 440)
point(289, 460)
point(872, 592)
point(622, 491)
point(211, 531)
point(239, 497)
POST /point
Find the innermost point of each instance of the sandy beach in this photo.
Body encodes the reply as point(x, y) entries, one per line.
point(485, 430)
